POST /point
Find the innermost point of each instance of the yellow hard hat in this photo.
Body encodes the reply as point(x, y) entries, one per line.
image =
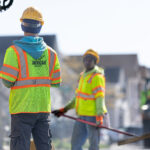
point(92, 52)
point(33, 14)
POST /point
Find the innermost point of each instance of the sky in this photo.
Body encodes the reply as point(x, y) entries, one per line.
point(107, 26)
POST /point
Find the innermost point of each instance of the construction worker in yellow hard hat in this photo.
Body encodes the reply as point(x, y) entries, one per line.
point(89, 103)
point(30, 68)
point(31, 20)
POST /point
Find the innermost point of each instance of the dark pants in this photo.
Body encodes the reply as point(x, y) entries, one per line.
point(22, 125)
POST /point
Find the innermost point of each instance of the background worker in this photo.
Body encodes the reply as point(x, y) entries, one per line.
point(145, 110)
point(89, 103)
point(30, 67)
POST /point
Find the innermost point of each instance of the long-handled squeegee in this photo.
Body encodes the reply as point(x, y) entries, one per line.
point(99, 126)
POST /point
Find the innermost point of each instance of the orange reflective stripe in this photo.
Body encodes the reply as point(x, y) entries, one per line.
point(52, 61)
point(5, 78)
point(9, 71)
point(32, 112)
point(32, 82)
point(19, 64)
point(8, 74)
point(99, 75)
point(11, 67)
point(49, 56)
point(27, 70)
point(101, 92)
point(56, 75)
point(98, 87)
point(91, 77)
point(98, 92)
point(56, 82)
point(77, 105)
point(58, 70)
point(53, 65)
point(27, 86)
point(85, 98)
point(84, 93)
point(22, 62)
point(33, 78)
point(54, 79)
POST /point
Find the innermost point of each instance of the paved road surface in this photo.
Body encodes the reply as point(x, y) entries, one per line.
point(125, 147)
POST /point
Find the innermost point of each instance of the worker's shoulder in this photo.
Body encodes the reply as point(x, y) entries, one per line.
point(51, 49)
point(97, 75)
point(98, 72)
point(10, 50)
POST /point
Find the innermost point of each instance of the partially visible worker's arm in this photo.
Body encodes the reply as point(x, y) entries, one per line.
point(7, 83)
point(10, 69)
point(143, 98)
point(56, 78)
point(63, 110)
point(100, 106)
point(98, 88)
point(70, 105)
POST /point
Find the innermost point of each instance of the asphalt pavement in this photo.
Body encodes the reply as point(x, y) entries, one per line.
point(125, 147)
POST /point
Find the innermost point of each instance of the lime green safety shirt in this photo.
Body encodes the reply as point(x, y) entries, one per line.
point(31, 79)
point(145, 95)
point(90, 94)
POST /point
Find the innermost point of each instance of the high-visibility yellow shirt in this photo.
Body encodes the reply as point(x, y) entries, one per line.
point(91, 86)
point(32, 79)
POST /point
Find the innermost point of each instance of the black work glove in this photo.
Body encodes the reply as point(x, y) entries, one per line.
point(59, 112)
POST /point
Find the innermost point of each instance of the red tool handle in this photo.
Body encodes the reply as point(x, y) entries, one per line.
point(99, 126)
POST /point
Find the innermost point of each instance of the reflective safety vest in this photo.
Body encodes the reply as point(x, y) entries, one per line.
point(144, 97)
point(90, 87)
point(32, 79)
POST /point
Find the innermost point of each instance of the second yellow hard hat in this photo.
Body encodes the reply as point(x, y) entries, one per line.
point(92, 52)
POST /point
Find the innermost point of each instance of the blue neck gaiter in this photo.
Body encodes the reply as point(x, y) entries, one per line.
point(34, 46)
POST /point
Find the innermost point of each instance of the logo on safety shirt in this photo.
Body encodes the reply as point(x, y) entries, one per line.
point(39, 62)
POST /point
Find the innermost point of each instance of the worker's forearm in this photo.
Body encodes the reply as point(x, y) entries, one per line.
point(70, 105)
point(100, 106)
point(7, 83)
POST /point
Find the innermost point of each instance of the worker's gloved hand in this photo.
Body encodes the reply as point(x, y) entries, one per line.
point(59, 112)
point(99, 120)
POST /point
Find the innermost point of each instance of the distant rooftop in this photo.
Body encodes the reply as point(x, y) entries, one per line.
point(128, 62)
